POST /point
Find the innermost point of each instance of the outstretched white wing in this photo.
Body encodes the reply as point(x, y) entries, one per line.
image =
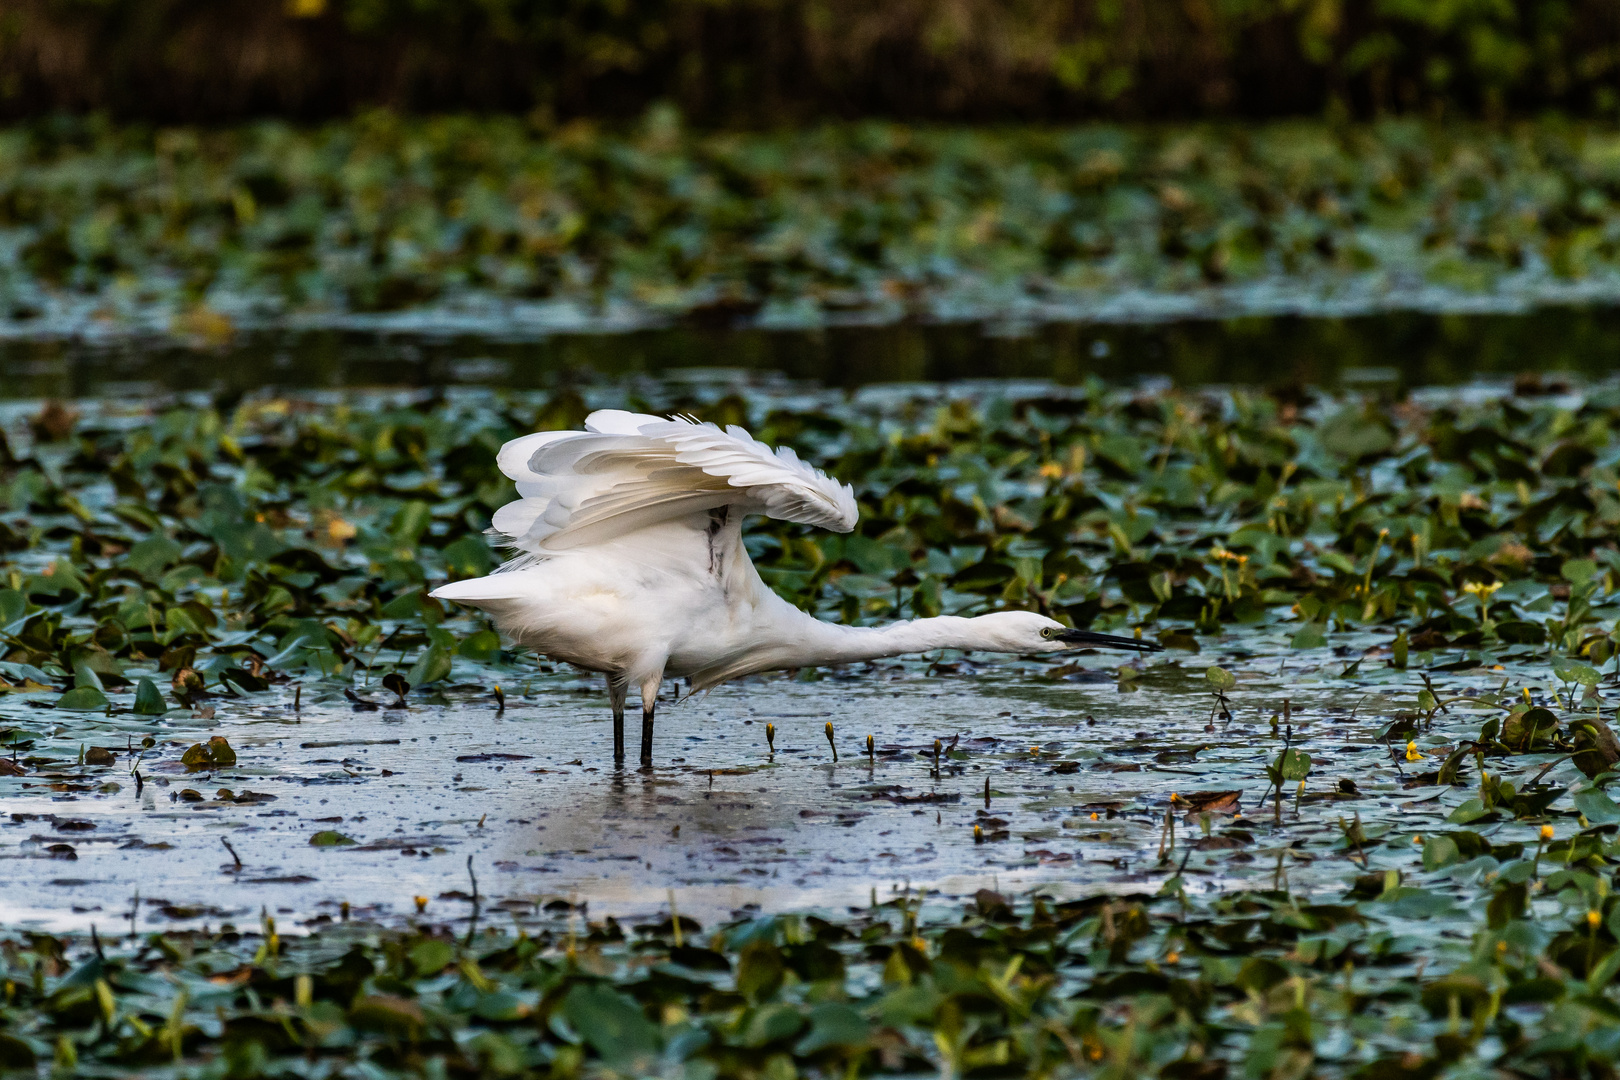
point(626, 471)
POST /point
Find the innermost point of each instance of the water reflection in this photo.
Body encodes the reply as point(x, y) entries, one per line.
point(1402, 348)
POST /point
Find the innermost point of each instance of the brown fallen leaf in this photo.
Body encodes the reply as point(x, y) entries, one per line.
point(54, 422)
point(1216, 843)
point(1210, 802)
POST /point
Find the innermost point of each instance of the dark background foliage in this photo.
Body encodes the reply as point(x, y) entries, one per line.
point(765, 62)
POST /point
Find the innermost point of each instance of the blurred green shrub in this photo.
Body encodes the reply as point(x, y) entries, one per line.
point(771, 61)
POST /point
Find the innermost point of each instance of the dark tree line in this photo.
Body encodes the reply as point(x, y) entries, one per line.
point(765, 62)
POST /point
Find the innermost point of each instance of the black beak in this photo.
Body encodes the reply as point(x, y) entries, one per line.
point(1106, 641)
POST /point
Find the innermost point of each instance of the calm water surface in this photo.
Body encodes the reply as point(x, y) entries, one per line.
point(1397, 349)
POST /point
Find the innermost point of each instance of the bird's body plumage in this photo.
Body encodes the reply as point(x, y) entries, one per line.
point(631, 562)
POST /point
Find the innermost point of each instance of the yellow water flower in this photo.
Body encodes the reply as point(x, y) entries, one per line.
point(1412, 751)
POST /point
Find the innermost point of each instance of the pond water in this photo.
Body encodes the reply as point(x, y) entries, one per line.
point(1085, 767)
point(1082, 768)
point(1403, 348)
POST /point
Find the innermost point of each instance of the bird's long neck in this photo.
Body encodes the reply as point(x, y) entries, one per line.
point(822, 643)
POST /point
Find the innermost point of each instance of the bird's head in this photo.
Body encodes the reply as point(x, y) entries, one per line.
point(1027, 632)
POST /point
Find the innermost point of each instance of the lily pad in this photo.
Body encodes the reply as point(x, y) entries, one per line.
point(83, 699)
point(149, 699)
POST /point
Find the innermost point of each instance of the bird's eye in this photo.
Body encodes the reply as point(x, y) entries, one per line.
point(1046, 631)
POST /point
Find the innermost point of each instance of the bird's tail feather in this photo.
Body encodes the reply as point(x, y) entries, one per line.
point(479, 589)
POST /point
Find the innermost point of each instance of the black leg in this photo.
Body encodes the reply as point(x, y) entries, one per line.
point(618, 736)
point(646, 736)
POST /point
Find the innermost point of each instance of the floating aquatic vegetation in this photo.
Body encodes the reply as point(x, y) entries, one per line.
point(1168, 982)
point(225, 555)
point(455, 225)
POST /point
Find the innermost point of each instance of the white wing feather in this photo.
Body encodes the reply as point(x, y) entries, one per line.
point(627, 471)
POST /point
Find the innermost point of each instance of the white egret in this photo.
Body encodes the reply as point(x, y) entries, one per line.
point(632, 564)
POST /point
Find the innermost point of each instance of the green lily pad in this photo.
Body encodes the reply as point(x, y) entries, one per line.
point(149, 699)
point(83, 699)
point(432, 666)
